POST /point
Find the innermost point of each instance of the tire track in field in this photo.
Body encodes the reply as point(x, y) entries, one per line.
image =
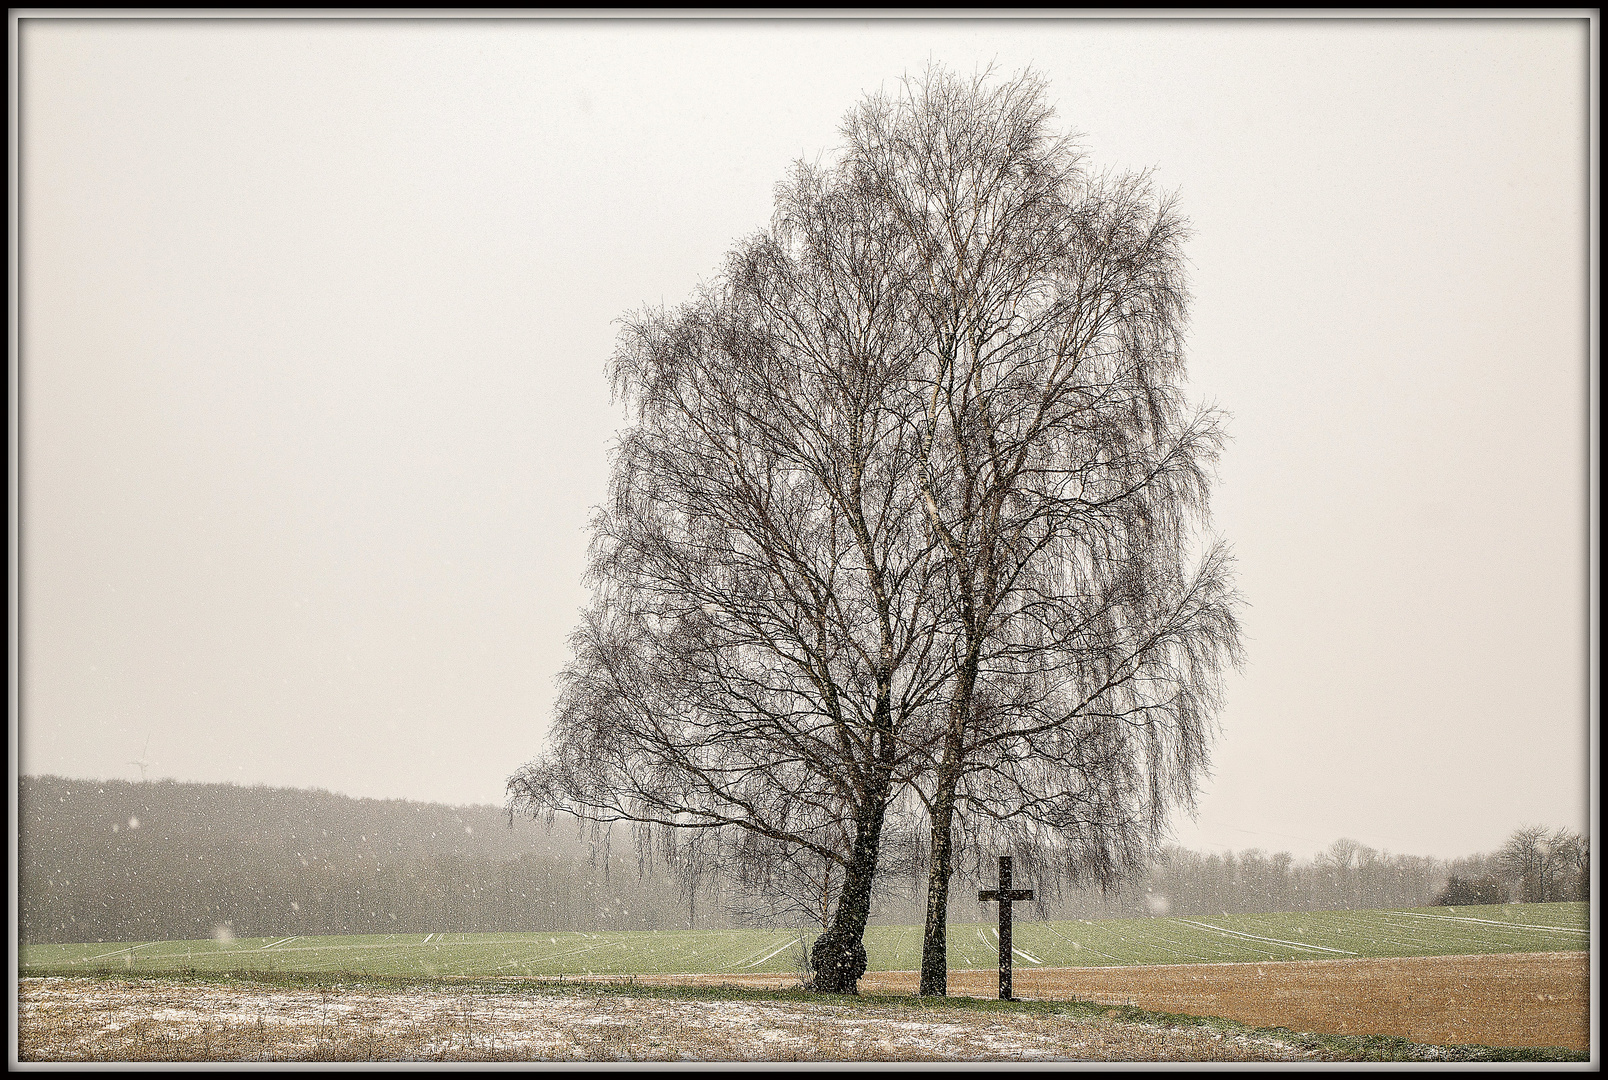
point(115, 952)
point(1274, 941)
point(1025, 956)
point(1422, 937)
point(773, 952)
point(1348, 928)
point(1494, 922)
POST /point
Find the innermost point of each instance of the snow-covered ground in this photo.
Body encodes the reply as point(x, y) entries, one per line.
point(77, 1019)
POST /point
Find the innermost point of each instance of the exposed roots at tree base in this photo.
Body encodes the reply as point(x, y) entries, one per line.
point(838, 964)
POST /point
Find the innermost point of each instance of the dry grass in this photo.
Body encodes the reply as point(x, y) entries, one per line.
point(1499, 999)
point(1488, 1000)
point(1514, 1000)
point(83, 1019)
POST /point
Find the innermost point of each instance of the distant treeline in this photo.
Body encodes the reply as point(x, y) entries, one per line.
point(1348, 875)
point(120, 861)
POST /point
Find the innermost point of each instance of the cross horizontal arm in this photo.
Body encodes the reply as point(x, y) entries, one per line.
point(1008, 894)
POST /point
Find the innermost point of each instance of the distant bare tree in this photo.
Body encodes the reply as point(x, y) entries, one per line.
point(1583, 870)
point(1062, 474)
point(1566, 866)
point(1341, 864)
point(1546, 864)
point(1521, 859)
point(1342, 854)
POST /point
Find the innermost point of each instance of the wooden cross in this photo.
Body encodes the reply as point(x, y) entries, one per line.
point(1005, 894)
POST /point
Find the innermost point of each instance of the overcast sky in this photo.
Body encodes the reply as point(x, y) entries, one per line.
point(313, 411)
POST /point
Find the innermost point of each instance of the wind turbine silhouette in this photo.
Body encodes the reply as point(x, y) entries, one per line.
point(141, 762)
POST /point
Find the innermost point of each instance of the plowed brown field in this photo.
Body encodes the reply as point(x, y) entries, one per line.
point(1502, 999)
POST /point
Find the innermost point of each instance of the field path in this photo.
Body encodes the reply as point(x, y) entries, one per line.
point(1494, 999)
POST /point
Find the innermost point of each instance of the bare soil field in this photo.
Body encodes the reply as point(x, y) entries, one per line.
point(117, 1019)
point(1501, 999)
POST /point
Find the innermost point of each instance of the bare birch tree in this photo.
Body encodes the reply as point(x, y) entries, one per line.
point(761, 646)
point(1063, 476)
point(906, 518)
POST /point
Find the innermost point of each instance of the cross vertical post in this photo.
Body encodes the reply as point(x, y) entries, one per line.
point(1005, 894)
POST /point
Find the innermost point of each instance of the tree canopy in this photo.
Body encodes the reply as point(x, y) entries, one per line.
point(909, 522)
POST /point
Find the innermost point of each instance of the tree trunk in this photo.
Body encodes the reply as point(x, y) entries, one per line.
point(838, 955)
point(935, 938)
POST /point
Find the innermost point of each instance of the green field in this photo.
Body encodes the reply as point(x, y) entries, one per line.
point(1315, 935)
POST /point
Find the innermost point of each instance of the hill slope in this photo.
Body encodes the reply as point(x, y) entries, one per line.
point(113, 860)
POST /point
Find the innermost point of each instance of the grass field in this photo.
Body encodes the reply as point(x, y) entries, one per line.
point(1312, 935)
